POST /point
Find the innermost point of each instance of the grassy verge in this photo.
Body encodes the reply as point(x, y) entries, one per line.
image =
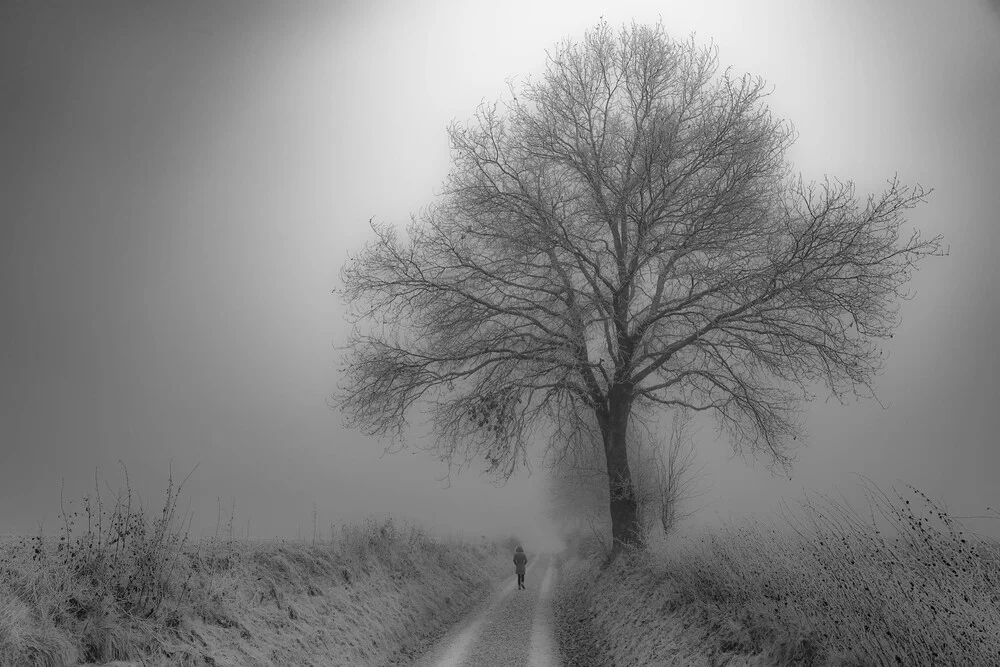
point(902, 584)
point(118, 584)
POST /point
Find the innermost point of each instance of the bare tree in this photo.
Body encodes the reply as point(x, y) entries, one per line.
point(664, 479)
point(623, 235)
point(676, 477)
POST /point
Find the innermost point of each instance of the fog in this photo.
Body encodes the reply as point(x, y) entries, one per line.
point(182, 182)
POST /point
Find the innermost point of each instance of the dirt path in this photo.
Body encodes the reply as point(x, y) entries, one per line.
point(513, 627)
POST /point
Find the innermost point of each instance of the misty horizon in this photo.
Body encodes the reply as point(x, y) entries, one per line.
point(186, 180)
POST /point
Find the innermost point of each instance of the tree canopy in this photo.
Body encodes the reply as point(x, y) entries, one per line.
point(623, 234)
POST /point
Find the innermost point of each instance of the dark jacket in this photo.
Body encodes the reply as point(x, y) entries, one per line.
point(520, 560)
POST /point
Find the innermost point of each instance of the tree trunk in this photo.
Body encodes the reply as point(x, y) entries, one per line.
point(625, 528)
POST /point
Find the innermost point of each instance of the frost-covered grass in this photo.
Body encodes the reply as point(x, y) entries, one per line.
point(900, 584)
point(117, 584)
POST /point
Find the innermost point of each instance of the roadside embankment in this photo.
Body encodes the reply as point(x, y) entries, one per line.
point(902, 584)
point(631, 614)
point(373, 595)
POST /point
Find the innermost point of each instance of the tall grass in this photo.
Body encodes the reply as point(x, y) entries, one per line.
point(902, 584)
point(122, 582)
point(104, 581)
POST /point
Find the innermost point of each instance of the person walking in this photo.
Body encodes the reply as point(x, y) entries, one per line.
point(520, 560)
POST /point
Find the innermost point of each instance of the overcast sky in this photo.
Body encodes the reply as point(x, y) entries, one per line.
point(181, 182)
